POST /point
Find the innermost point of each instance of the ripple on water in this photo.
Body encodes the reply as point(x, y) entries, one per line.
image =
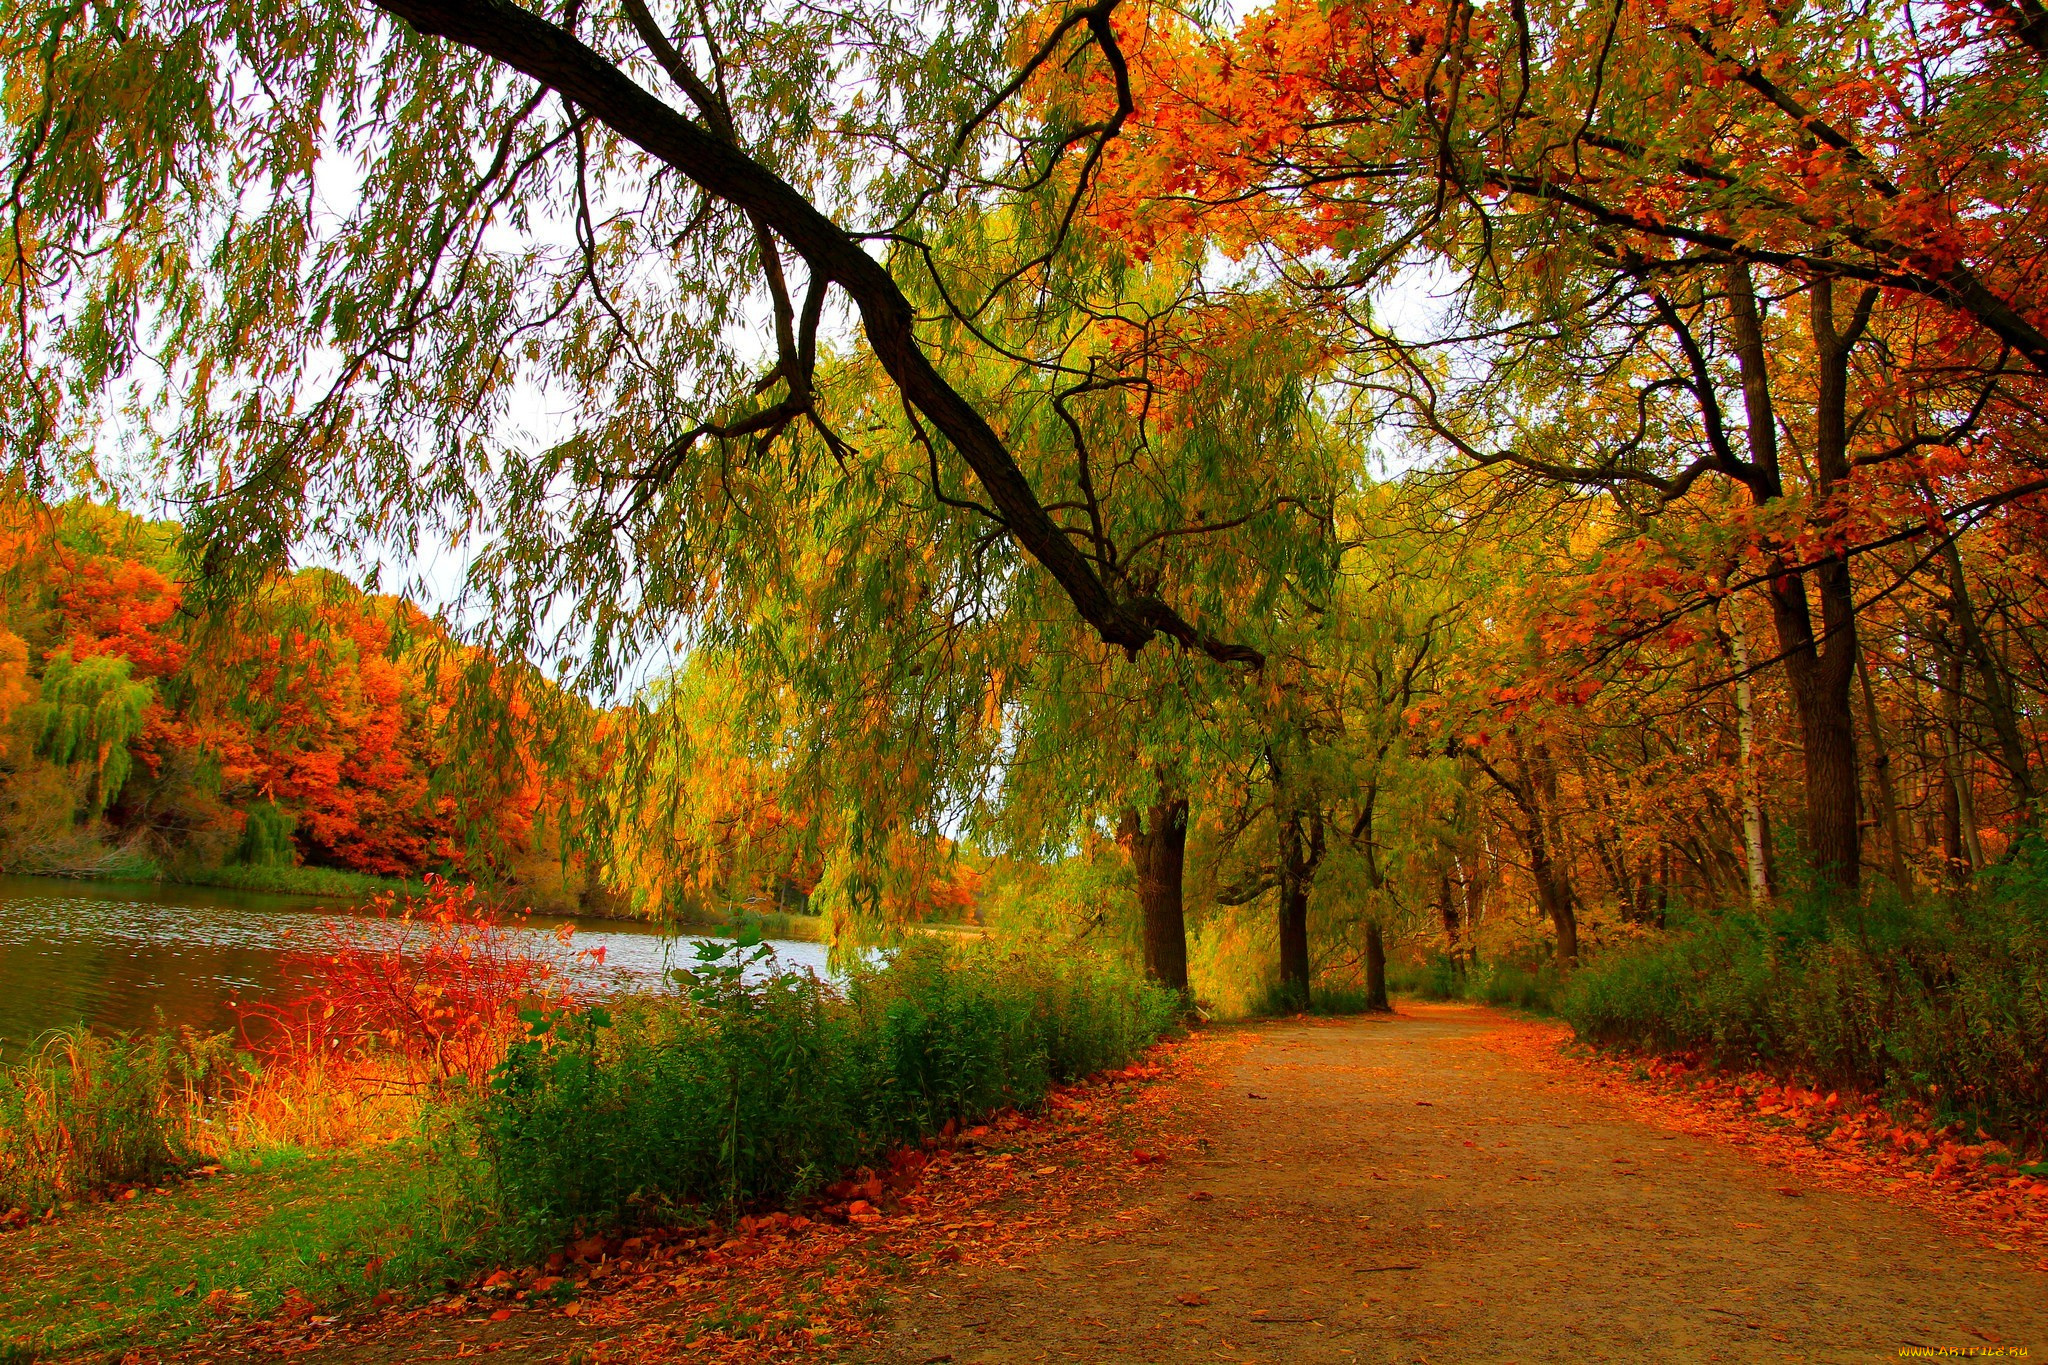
point(123, 955)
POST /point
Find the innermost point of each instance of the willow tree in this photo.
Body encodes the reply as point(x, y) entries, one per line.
point(90, 710)
point(1220, 449)
point(926, 683)
point(325, 265)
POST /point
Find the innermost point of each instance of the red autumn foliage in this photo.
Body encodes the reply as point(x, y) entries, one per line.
point(436, 982)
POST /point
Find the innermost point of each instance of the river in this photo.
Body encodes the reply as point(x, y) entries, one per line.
point(121, 955)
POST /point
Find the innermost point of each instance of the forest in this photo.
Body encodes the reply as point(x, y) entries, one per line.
point(1251, 513)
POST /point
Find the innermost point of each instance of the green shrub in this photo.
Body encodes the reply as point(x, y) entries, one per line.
point(1945, 1000)
point(1439, 978)
point(756, 1087)
point(89, 1110)
point(1527, 985)
point(1517, 985)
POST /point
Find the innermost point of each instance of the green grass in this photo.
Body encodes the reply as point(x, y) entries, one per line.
point(141, 1273)
point(297, 881)
point(87, 1110)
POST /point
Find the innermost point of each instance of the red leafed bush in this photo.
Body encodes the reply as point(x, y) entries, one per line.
point(435, 983)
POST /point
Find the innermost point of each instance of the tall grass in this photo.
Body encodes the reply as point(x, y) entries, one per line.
point(755, 1088)
point(1945, 999)
point(89, 1110)
point(402, 1010)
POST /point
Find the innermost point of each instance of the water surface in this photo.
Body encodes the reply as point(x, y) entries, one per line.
point(121, 954)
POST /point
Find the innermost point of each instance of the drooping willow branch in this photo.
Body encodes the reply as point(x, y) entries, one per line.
point(559, 60)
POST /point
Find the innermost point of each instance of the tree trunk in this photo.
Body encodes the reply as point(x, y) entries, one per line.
point(1819, 669)
point(1746, 774)
point(1298, 857)
point(1448, 898)
point(1375, 968)
point(1158, 847)
point(1294, 888)
point(1663, 902)
point(1553, 889)
point(1474, 884)
point(1955, 868)
point(1887, 799)
point(1962, 817)
point(1998, 692)
point(1553, 882)
point(1827, 726)
point(1554, 898)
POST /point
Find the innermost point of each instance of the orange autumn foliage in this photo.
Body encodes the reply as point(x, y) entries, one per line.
point(333, 706)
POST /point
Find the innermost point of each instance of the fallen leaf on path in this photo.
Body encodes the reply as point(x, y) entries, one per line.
point(1901, 1149)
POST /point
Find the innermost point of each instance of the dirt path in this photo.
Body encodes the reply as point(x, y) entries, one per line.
point(1395, 1190)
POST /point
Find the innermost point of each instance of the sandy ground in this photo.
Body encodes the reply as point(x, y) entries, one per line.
point(1395, 1190)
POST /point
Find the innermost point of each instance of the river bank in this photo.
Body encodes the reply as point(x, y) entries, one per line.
point(359, 1166)
point(328, 883)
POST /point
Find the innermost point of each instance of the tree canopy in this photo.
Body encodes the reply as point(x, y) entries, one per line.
point(1391, 459)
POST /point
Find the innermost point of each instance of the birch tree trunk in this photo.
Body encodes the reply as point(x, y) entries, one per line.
point(1746, 776)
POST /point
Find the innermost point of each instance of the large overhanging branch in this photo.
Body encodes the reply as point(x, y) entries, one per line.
point(562, 62)
point(1956, 285)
